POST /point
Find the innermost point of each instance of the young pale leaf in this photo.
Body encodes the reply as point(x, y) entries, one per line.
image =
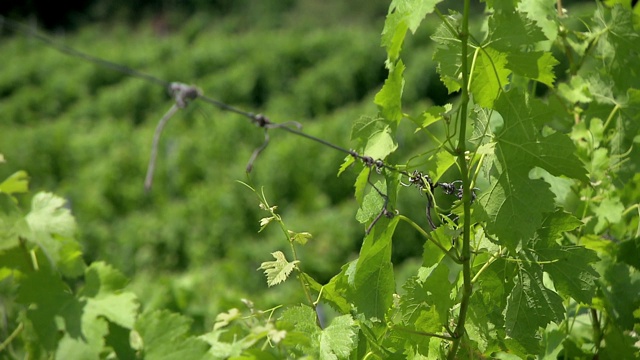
point(224, 319)
point(53, 227)
point(338, 339)
point(389, 98)
point(17, 183)
point(490, 75)
point(277, 271)
point(301, 238)
point(49, 216)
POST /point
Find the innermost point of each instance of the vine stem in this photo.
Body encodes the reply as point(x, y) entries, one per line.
point(430, 238)
point(467, 286)
point(13, 335)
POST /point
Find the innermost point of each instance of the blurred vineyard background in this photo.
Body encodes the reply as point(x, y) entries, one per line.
point(192, 243)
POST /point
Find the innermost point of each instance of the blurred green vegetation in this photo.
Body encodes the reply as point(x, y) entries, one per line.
point(191, 244)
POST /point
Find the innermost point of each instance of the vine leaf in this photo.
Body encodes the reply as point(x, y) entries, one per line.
point(531, 306)
point(370, 281)
point(53, 228)
point(403, 15)
point(43, 310)
point(338, 339)
point(490, 75)
point(165, 336)
point(448, 55)
point(334, 342)
point(570, 270)
point(515, 203)
point(508, 31)
point(277, 271)
point(389, 98)
point(17, 183)
point(105, 304)
point(535, 65)
point(361, 184)
point(371, 204)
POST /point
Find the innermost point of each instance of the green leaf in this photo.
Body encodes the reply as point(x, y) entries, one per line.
point(448, 55)
point(302, 329)
point(17, 183)
point(536, 65)
point(557, 223)
point(621, 286)
point(490, 75)
point(514, 205)
point(361, 184)
point(43, 310)
point(545, 15)
point(628, 252)
point(101, 303)
point(608, 211)
point(338, 339)
point(403, 15)
point(365, 127)
point(53, 228)
point(332, 291)
point(520, 141)
point(380, 144)
point(348, 161)
point(372, 285)
point(165, 336)
point(432, 115)
point(105, 297)
point(569, 268)
point(277, 271)
point(510, 31)
point(301, 318)
point(301, 238)
point(439, 163)
point(576, 91)
point(371, 204)
point(389, 98)
point(428, 299)
point(531, 306)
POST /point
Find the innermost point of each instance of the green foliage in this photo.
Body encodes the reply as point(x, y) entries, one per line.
point(536, 256)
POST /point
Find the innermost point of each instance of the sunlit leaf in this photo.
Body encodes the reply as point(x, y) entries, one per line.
point(277, 271)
